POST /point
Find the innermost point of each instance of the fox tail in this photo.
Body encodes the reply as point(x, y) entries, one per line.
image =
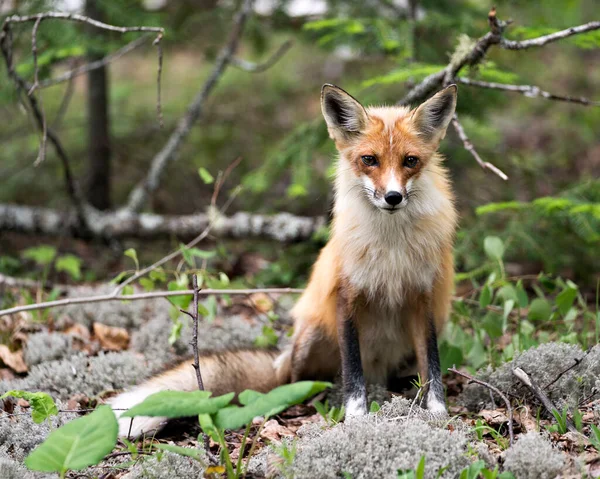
point(229, 371)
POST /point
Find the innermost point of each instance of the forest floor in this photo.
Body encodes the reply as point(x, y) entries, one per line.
point(83, 355)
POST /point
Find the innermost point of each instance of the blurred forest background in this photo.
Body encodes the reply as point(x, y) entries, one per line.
point(544, 219)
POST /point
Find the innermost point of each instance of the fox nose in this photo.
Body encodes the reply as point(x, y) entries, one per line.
point(393, 198)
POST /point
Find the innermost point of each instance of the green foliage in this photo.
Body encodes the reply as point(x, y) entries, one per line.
point(173, 404)
point(269, 404)
point(76, 445)
point(561, 420)
point(417, 473)
point(478, 469)
point(43, 255)
point(132, 253)
point(206, 177)
point(70, 264)
point(42, 404)
point(595, 436)
point(331, 414)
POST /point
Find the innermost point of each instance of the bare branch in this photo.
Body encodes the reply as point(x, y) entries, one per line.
point(471, 149)
point(139, 195)
point(253, 67)
point(497, 391)
point(528, 90)
point(537, 391)
point(42, 149)
point(144, 296)
point(95, 64)
point(553, 37)
point(74, 17)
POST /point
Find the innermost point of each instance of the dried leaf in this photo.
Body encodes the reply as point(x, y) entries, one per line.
point(111, 337)
point(261, 302)
point(13, 359)
point(494, 417)
point(274, 431)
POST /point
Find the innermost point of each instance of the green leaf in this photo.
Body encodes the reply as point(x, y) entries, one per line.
point(174, 404)
point(42, 404)
point(202, 254)
point(119, 278)
point(420, 470)
point(78, 444)
point(508, 292)
point(275, 401)
point(206, 176)
point(492, 324)
point(131, 253)
point(147, 284)
point(539, 310)
point(182, 451)
point(158, 274)
point(523, 299)
point(183, 301)
point(374, 407)
point(208, 426)
point(42, 255)
point(202, 311)
point(70, 264)
point(565, 300)
point(493, 247)
point(249, 396)
point(485, 298)
point(508, 307)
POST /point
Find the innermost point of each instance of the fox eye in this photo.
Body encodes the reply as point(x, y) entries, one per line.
point(411, 161)
point(369, 160)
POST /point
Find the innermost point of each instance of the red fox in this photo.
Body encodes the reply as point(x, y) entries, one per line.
point(381, 288)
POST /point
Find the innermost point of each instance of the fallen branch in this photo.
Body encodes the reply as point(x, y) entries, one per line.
point(471, 149)
point(144, 296)
point(194, 341)
point(529, 91)
point(284, 227)
point(541, 395)
point(576, 362)
point(498, 392)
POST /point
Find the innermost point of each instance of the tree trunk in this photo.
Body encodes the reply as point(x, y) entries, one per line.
point(99, 152)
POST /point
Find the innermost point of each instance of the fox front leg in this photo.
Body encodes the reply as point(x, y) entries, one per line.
point(436, 401)
point(355, 391)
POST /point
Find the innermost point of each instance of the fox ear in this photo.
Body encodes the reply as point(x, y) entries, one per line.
point(433, 117)
point(344, 115)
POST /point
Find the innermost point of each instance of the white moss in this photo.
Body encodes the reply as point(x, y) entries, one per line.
point(166, 465)
point(533, 457)
point(377, 447)
point(544, 364)
point(41, 347)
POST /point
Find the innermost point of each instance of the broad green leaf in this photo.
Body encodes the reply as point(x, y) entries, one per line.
point(70, 264)
point(565, 300)
point(42, 255)
point(249, 396)
point(206, 176)
point(539, 310)
point(42, 404)
point(374, 407)
point(131, 253)
point(208, 426)
point(449, 356)
point(493, 247)
point(275, 401)
point(183, 301)
point(202, 253)
point(485, 298)
point(78, 444)
point(182, 451)
point(158, 274)
point(174, 404)
point(477, 355)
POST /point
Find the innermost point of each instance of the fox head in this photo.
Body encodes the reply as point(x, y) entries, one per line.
point(387, 153)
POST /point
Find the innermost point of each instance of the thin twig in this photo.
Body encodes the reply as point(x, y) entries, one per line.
point(576, 363)
point(36, 80)
point(194, 341)
point(253, 67)
point(95, 64)
point(530, 91)
point(158, 79)
point(471, 149)
point(498, 392)
point(144, 296)
point(541, 395)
